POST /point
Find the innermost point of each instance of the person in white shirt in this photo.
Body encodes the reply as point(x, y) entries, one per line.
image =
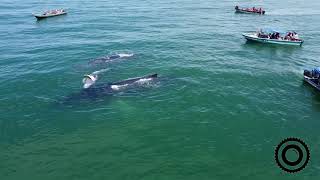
point(295, 35)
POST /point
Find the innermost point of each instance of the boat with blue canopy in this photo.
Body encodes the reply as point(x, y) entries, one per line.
point(274, 36)
point(313, 77)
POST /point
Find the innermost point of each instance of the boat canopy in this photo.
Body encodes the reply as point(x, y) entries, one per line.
point(273, 30)
point(317, 70)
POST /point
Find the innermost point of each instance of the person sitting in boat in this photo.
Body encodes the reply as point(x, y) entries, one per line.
point(287, 37)
point(277, 35)
point(315, 73)
point(45, 13)
point(290, 36)
point(295, 36)
point(254, 9)
point(237, 7)
point(260, 10)
point(272, 36)
point(260, 34)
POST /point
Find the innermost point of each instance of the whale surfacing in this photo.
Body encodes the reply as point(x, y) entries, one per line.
point(110, 58)
point(101, 90)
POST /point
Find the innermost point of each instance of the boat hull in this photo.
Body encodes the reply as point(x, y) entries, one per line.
point(312, 82)
point(47, 16)
point(253, 37)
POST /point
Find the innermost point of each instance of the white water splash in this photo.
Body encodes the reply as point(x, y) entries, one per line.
point(118, 87)
point(100, 71)
point(124, 55)
point(140, 82)
point(88, 82)
point(144, 80)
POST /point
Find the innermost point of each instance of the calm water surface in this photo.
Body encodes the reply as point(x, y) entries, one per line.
point(219, 109)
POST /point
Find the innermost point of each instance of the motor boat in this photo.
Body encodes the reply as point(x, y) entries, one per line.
point(50, 13)
point(313, 77)
point(273, 36)
point(250, 10)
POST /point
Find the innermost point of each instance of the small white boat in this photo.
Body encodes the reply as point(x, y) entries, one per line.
point(51, 13)
point(250, 10)
point(274, 37)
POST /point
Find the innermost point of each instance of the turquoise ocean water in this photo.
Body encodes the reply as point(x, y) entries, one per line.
point(218, 111)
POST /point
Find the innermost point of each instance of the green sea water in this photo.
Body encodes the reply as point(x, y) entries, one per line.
point(218, 111)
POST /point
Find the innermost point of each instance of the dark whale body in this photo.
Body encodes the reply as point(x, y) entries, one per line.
point(104, 59)
point(101, 90)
